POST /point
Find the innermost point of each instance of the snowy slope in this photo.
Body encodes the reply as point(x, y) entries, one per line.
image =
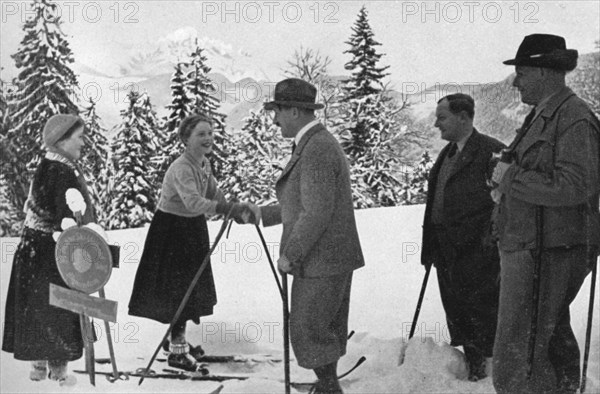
point(248, 319)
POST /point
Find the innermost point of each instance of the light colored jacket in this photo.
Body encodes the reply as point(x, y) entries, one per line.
point(189, 188)
point(319, 236)
point(556, 166)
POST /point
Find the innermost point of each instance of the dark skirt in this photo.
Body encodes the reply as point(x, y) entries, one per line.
point(33, 329)
point(174, 250)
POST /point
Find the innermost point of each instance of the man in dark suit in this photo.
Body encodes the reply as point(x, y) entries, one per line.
point(457, 231)
point(319, 244)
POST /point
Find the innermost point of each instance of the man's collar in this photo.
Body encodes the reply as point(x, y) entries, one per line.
point(554, 102)
point(463, 141)
point(303, 130)
point(543, 103)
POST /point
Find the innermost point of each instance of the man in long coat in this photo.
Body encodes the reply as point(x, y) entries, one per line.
point(457, 231)
point(548, 196)
point(319, 245)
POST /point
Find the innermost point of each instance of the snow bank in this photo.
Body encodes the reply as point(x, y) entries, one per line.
point(247, 319)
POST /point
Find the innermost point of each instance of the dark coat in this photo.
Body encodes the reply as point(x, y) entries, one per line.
point(33, 329)
point(467, 261)
point(467, 205)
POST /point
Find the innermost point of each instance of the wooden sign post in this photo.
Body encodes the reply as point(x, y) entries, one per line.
point(85, 263)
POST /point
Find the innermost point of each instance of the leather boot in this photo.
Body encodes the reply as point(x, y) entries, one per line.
point(328, 382)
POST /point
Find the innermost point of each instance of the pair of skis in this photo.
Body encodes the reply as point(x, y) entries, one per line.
point(204, 375)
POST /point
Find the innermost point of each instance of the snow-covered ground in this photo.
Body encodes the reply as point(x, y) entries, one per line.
point(248, 319)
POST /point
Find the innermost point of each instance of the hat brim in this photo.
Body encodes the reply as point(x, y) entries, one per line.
point(269, 106)
point(562, 60)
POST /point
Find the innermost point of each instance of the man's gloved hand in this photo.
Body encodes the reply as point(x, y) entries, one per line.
point(283, 265)
point(499, 172)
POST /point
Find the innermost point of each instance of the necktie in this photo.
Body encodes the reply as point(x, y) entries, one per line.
point(452, 150)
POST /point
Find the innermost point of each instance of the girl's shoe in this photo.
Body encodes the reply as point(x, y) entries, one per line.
point(186, 362)
point(39, 370)
point(196, 351)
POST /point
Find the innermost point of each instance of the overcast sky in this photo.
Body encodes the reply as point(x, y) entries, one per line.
point(424, 42)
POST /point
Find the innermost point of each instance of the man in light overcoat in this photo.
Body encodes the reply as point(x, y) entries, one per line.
point(319, 246)
point(548, 193)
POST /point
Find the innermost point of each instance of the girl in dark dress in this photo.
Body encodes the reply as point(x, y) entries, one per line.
point(178, 241)
point(33, 329)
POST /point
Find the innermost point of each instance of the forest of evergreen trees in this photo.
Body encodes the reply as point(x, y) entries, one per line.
point(126, 171)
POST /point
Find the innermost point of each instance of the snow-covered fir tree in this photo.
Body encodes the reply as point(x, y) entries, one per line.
point(368, 137)
point(200, 88)
point(181, 104)
point(366, 122)
point(94, 161)
point(416, 189)
point(258, 162)
point(159, 137)
point(3, 103)
point(10, 224)
point(134, 196)
point(367, 77)
point(45, 86)
point(179, 108)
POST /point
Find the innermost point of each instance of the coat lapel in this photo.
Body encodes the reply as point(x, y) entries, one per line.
point(296, 155)
point(536, 129)
point(467, 155)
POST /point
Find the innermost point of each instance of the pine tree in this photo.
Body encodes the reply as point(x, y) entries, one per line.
point(94, 160)
point(416, 189)
point(366, 122)
point(368, 138)
point(159, 138)
point(179, 108)
point(199, 87)
point(258, 161)
point(10, 217)
point(181, 104)
point(366, 77)
point(44, 87)
point(133, 199)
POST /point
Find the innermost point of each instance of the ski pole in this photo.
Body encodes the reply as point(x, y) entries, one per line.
point(420, 302)
point(188, 293)
point(264, 243)
point(588, 331)
point(286, 334)
point(537, 268)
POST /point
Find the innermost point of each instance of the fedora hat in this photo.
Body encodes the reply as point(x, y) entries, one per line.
point(294, 92)
point(545, 50)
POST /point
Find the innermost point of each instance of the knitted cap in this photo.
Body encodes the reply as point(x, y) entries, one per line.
point(57, 126)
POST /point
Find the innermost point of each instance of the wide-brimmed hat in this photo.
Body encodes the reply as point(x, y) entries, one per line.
point(57, 126)
point(545, 50)
point(294, 92)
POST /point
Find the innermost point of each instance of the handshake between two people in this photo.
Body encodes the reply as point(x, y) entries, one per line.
point(242, 213)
